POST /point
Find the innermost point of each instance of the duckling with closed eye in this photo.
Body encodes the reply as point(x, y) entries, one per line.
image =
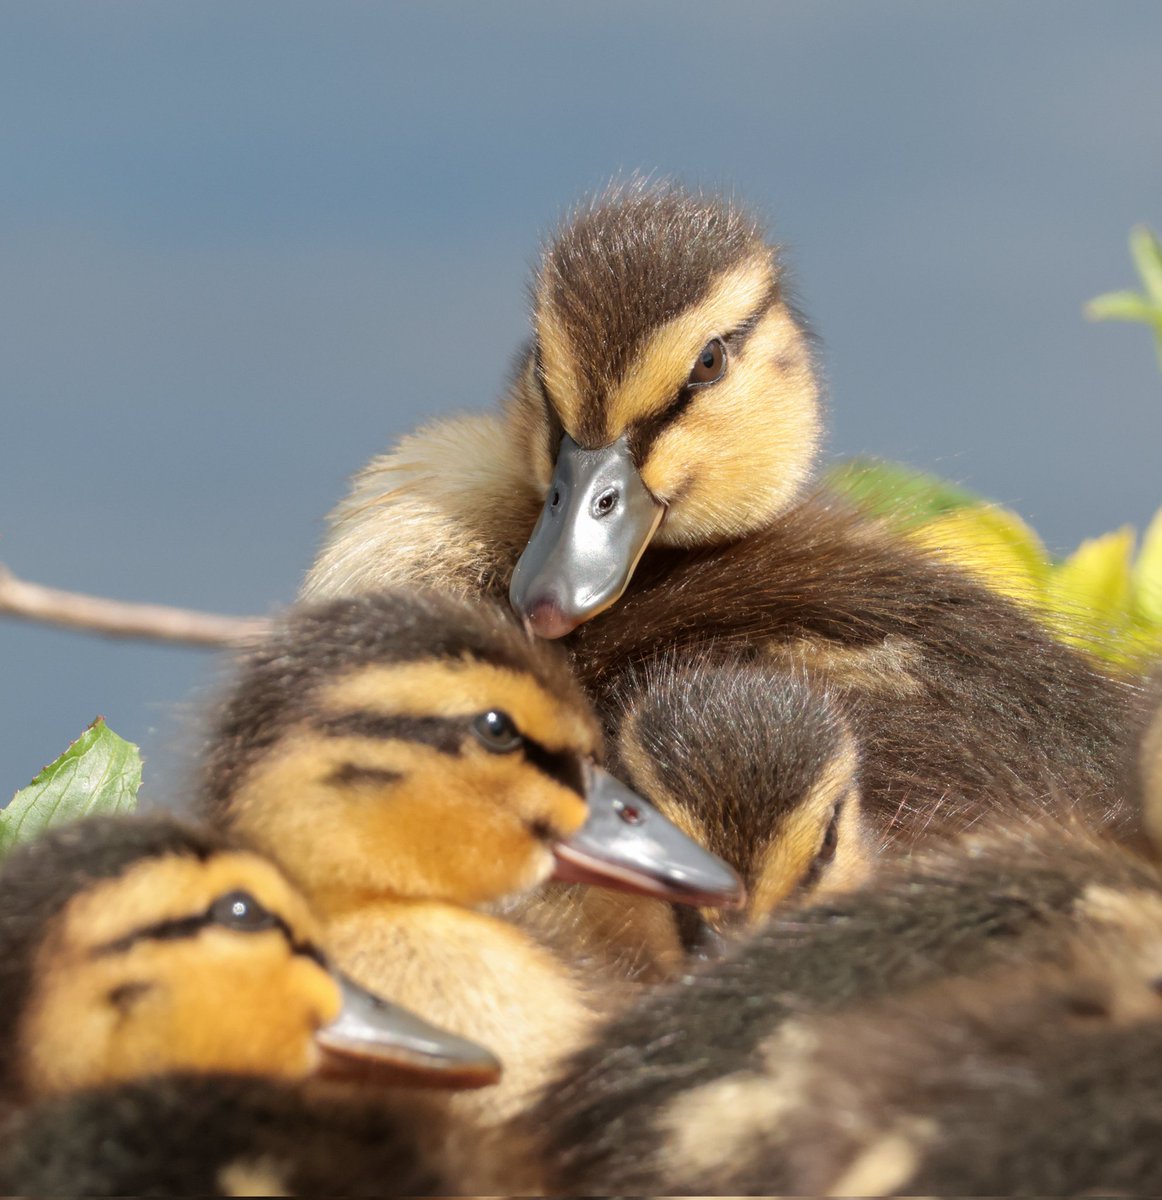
point(762, 770)
point(167, 1003)
point(981, 1017)
point(405, 757)
point(668, 415)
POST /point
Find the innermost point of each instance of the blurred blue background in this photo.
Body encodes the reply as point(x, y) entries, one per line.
point(245, 246)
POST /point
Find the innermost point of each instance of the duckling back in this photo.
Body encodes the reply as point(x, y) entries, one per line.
point(204, 1135)
point(865, 1045)
point(956, 698)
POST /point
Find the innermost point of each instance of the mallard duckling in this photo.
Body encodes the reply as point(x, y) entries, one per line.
point(405, 757)
point(668, 414)
point(164, 994)
point(972, 1020)
point(762, 770)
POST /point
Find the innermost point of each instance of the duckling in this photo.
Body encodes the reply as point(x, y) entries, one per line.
point(977, 1018)
point(668, 414)
point(165, 997)
point(762, 770)
point(405, 757)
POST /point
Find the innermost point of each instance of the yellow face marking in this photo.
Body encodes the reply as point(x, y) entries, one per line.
point(458, 828)
point(741, 451)
point(179, 886)
point(800, 838)
point(523, 450)
point(558, 366)
point(218, 1000)
point(663, 365)
point(362, 817)
point(463, 688)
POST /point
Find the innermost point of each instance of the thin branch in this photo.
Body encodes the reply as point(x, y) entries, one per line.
point(122, 619)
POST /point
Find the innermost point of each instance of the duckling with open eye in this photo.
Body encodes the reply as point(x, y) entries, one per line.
point(981, 1017)
point(166, 1001)
point(405, 757)
point(668, 416)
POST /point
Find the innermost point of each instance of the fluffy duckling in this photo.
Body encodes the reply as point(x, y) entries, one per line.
point(405, 757)
point(667, 414)
point(978, 1019)
point(164, 995)
point(762, 770)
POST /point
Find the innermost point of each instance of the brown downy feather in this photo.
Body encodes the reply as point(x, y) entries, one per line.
point(984, 1017)
point(958, 698)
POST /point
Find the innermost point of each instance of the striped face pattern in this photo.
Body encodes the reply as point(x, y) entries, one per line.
point(408, 748)
point(170, 966)
point(660, 316)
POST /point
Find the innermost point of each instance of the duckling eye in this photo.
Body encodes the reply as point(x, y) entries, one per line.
point(240, 911)
point(496, 731)
point(710, 365)
point(830, 839)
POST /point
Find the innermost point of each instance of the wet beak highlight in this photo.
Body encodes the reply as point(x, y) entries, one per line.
point(374, 1040)
point(597, 520)
point(627, 845)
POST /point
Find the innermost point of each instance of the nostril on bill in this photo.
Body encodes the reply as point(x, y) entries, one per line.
point(606, 502)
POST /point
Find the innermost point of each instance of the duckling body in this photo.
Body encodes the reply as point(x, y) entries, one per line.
point(407, 758)
point(668, 414)
point(199, 1135)
point(973, 1020)
point(955, 697)
point(167, 1007)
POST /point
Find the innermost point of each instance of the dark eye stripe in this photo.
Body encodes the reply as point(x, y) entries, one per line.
point(162, 931)
point(644, 434)
point(188, 927)
point(442, 733)
point(449, 735)
point(826, 852)
point(356, 773)
point(562, 766)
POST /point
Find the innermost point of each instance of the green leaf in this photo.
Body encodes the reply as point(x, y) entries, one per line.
point(1148, 574)
point(1122, 306)
point(904, 496)
point(99, 773)
point(993, 544)
point(1147, 254)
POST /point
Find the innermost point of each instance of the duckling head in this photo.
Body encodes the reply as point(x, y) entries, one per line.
point(407, 746)
point(136, 947)
point(669, 395)
point(761, 769)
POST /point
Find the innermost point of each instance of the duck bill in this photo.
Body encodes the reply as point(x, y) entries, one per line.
point(372, 1040)
point(597, 520)
point(627, 845)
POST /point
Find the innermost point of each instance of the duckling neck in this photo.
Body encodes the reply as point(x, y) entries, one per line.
point(476, 975)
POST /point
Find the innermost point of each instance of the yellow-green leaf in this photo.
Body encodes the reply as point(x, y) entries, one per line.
point(1121, 306)
point(993, 544)
point(900, 494)
point(1090, 591)
point(99, 773)
point(1147, 254)
point(1147, 581)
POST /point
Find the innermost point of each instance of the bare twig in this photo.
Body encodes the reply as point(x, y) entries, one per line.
point(122, 619)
